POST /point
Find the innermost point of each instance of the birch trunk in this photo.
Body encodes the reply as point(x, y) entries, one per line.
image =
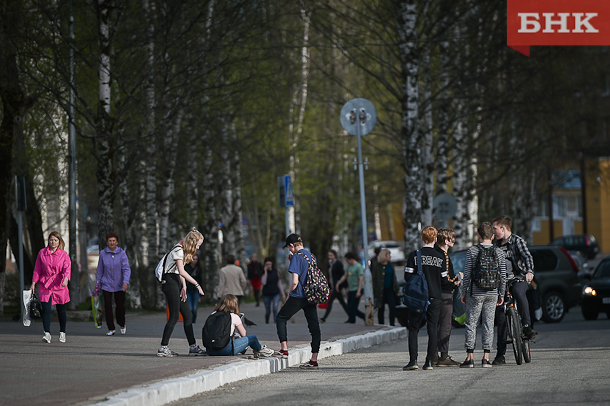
point(299, 102)
point(237, 226)
point(105, 148)
point(411, 145)
point(170, 149)
point(427, 175)
point(210, 225)
point(150, 245)
point(228, 216)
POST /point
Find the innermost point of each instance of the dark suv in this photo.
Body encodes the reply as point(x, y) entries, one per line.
point(556, 274)
point(584, 243)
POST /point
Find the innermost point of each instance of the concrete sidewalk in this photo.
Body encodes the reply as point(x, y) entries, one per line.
point(92, 367)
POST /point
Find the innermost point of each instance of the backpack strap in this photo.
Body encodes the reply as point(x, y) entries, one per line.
point(308, 263)
point(419, 268)
point(166, 255)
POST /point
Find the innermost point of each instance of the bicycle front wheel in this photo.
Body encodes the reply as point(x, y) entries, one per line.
point(527, 357)
point(512, 318)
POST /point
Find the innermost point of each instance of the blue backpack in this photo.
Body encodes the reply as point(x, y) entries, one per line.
point(415, 292)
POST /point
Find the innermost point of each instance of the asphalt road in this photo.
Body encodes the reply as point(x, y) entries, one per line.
point(570, 366)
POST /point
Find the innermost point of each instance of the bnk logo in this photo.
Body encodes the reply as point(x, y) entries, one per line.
point(530, 22)
point(557, 22)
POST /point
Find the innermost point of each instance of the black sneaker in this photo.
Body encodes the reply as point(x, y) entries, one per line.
point(529, 333)
point(196, 351)
point(469, 363)
point(427, 366)
point(499, 360)
point(411, 366)
point(485, 363)
point(322, 320)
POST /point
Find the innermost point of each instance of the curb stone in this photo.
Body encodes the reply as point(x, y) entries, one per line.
point(170, 390)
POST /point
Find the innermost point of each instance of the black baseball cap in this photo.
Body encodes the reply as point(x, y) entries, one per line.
point(293, 239)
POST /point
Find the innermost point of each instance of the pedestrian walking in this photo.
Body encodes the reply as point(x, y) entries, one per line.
point(113, 273)
point(355, 280)
point(174, 287)
point(432, 265)
point(52, 272)
point(255, 272)
point(231, 280)
point(192, 295)
point(520, 266)
point(481, 300)
point(449, 281)
point(299, 265)
point(272, 289)
point(385, 286)
point(230, 304)
point(336, 288)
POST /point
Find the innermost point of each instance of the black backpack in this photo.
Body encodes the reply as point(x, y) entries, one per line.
point(486, 273)
point(216, 331)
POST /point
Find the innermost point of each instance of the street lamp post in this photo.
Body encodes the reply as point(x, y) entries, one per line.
point(358, 117)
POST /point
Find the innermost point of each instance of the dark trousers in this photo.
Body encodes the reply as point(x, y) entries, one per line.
point(352, 306)
point(444, 324)
point(119, 299)
point(171, 288)
point(329, 305)
point(389, 298)
point(46, 316)
point(290, 308)
point(257, 296)
point(518, 291)
point(415, 321)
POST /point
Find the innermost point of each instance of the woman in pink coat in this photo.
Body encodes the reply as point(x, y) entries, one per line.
point(52, 273)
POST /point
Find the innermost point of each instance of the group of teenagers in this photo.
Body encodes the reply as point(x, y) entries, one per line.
point(52, 273)
point(510, 256)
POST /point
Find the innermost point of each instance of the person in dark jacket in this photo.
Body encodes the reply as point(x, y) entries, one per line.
point(192, 294)
point(444, 241)
point(113, 273)
point(336, 290)
point(432, 265)
point(272, 289)
point(385, 286)
point(255, 271)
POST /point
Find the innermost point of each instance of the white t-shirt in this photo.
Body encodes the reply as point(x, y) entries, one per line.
point(235, 321)
point(174, 255)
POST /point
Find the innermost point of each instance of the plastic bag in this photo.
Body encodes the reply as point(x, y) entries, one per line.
point(27, 297)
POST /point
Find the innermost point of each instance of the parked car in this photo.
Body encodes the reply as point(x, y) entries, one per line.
point(585, 243)
point(396, 249)
point(596, 293)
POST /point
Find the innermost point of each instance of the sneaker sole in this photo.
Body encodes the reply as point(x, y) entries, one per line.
point(308, 368)
point(410, 368)
point(467, 366)
point(167, 355)
point(427, 368)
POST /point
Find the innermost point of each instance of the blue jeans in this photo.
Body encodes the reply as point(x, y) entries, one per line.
point(239, 344)
point(192, 298)
point(276, 302)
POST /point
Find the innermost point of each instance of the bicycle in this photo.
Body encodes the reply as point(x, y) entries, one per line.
point(521, 344)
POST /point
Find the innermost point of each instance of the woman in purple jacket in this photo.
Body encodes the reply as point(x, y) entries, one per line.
point(113, 274)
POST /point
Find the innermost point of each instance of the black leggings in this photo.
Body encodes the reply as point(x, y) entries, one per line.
point(171, 288)
point(46, 316)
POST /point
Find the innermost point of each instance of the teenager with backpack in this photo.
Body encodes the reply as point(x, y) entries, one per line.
point(220, 327)
point(432, 265)
point(483, 288)
point(173, 280)
point(299, 266)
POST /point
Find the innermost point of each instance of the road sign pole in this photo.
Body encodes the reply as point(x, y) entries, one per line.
point(368, 277)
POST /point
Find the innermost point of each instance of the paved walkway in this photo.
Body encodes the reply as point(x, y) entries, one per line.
point(91, 366)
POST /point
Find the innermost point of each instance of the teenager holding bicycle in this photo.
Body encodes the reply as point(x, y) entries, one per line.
point(519, 265)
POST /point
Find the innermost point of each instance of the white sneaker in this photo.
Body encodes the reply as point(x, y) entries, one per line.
point(123, 330)
point(46, 337)
point(264, 352)
point(110, 333)
point(62, 337)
